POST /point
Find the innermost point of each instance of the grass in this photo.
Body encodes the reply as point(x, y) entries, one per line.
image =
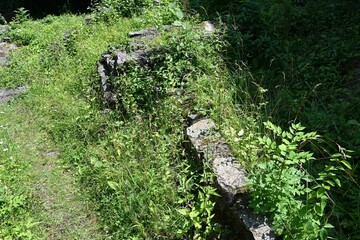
point(116, 178)
point(58, 209)
point(126, 176)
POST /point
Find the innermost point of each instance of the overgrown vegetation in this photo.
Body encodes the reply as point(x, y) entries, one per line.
point(257, 72)
point(303, 59)
point(133, 167)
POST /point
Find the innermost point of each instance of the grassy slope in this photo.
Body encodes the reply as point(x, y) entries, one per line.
point(132, 171)
point(58, 208)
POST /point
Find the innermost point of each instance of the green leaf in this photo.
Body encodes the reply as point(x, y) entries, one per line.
point(289, 162)
point(337, 181)
point(318, 209)
point(183, 211)
point(320, 192)
point(289, 135)
point(291, 131)
point(282, 147)
point(328, 225)
point(262, 165)
point(113, 185)
point(268, 141)
point(308, 178)
point(323, 202)
point(331, 183)
point(346, 164)
point(323, 234)
point(286, 141)
point(193, 214)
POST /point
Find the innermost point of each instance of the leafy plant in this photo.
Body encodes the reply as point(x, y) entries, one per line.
point(21, 15)
point(200, 205)
point(110, 10)
point(281, 183)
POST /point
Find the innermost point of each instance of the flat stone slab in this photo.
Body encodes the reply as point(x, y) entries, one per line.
point(230, 181)
point(8, 94)
point(150, 33)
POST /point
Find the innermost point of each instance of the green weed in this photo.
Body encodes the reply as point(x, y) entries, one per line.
point(282, 186)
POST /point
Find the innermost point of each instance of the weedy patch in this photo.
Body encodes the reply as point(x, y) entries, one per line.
point(133, 168)
point(129, 161)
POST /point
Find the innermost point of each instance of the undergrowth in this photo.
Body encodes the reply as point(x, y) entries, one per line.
point(302, 58)
point(130, 160)
point(15, 215)
point(142, 183)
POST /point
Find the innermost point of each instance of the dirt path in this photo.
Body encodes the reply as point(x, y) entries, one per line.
point(58, 205)
point(62, 211)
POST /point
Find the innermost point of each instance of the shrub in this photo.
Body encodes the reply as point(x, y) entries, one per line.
point(109, 10)
point(283, 186)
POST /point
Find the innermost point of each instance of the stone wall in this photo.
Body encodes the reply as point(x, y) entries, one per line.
point(233, 204)
point(204, 143)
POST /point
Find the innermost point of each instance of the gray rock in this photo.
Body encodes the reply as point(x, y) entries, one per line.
point(192, 118)
point(3, 29)
point(114, 63)
point(8, 94)
point(6, 39)
point(230, 181)
point(150, 33)
point(200, 129)
point(5, 49)
point(208, 28)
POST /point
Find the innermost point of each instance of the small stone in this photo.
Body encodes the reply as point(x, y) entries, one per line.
point(209, 28)
point(51, 153)
point(192, 118)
